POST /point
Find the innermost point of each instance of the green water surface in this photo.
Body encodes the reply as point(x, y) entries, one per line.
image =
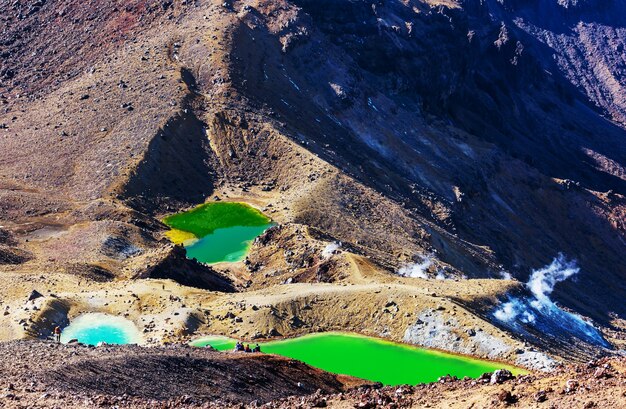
point(225, 245)
point(369, 358)
point(224, 230)
point(205, 219)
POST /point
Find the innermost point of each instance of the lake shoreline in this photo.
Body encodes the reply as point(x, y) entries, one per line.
point(404, 354)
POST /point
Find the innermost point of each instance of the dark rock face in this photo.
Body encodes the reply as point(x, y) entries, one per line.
point(584, 40)
point(188, 272)
point(464, 115)
point(34, 295)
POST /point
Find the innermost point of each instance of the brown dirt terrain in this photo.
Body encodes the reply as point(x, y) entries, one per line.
point(597, 384)
point(484, 136)
point(44, 375)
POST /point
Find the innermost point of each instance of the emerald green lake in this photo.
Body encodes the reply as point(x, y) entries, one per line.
point(229, 244)
point(369, 358)
point(217, 232)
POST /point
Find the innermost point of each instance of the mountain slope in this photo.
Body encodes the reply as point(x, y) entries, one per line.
point(438, 133)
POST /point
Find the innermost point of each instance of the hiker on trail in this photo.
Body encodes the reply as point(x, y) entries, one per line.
point(57, 334)
point(248, 348)
point(239, 346)
point(257, 348)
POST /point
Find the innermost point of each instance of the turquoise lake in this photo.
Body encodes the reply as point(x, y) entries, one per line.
point(96, 328)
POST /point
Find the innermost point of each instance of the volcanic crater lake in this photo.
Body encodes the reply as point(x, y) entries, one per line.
point(369, 358)
point(96, 328)
point(218, 231)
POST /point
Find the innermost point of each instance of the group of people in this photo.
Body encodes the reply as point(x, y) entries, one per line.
point(241, 348)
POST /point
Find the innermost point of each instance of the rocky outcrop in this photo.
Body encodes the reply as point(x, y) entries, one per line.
point(177, 267)
point(584, 40)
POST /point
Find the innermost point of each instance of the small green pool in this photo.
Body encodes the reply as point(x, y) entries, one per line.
point(369, 358)
point(217, 232)
point(96, 328)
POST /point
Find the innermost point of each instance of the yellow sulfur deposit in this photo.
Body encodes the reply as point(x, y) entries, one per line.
point(180, 236)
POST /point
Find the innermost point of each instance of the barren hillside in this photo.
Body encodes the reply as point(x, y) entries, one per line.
point(463, 159)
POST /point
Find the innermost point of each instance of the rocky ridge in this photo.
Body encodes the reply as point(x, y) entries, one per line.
point(475, 138)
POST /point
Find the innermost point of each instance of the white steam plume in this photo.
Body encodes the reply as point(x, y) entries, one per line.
point(417, 270)
point(330, 249)
point(542, 281)
point(541, 312)
point(513, 309)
